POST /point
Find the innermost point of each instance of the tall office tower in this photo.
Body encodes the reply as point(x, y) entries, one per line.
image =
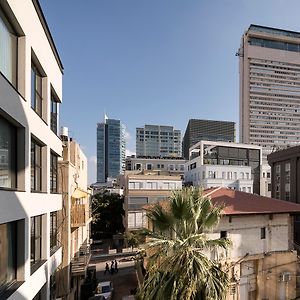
point(270, 88)
point(207, 130)
point(30, 197)
point(110, 149)
point(158, 140)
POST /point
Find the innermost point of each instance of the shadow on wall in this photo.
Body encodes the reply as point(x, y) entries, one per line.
point(12, 202)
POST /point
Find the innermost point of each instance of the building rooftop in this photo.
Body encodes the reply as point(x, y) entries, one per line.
point(241, 203)
point(271, 30)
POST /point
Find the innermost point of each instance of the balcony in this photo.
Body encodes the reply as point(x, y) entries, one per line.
point(79, 215)
point(81, 260)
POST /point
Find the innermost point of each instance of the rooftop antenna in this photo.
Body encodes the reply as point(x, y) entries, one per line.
point(105, 117)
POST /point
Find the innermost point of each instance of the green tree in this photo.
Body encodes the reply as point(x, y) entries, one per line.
point(107, 213)
point(178, 267)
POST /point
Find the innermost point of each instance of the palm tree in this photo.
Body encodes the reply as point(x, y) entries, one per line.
point(178, 267)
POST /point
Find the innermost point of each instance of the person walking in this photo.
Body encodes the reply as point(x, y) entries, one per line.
point(112, 268)
point(116, 266)
point(106, 269)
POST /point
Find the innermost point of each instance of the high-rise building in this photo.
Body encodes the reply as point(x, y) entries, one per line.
point(110, 149)
point(269, 88)
point(158, 140)
point(30, 201)
point(207, 130)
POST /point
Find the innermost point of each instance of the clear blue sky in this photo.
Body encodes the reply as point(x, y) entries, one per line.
point(153, 61)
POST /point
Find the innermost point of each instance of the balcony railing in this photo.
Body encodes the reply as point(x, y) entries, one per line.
point(78, 215)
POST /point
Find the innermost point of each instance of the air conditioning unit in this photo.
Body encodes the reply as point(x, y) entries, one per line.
point(285, 277)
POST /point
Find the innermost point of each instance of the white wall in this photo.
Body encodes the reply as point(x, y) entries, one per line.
point(245, 234)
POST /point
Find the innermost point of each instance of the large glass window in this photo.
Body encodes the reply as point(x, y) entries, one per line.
point(36, 166)
point(36, 90)
point(36, 240)
point(8, 259)
point(53, 173)
point(8, 159)
point(8, 50)
point(53, 231)
point(53, 116)
point(287, 186)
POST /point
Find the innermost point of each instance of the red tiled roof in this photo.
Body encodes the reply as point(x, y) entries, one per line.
point(241, 203)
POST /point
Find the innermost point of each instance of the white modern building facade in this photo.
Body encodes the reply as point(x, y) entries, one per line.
point(30, 93)
point(225, 164)
point(269, 88)
point(208, 176)
point(158, 140)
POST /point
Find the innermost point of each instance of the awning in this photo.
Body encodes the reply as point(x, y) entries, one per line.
point(78, 193)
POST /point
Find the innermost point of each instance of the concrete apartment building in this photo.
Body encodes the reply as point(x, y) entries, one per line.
point(233, 165)
point(173, 165)
point(264, 264)
point(111, 149)
point(141, 188)
point(261, 262)
point(285, 170)
point(74, 220)
point(30, 93)
point(269, 88)
point(158, 140)
point(207, 130)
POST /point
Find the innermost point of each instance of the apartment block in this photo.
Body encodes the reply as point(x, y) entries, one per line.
point(233, 165)
point(285, 178)
point(141, 188)
point(111, 149)
point(207, 130)
point(74, 220)
point(269, 88)
point(31, 93)
point(158, 140)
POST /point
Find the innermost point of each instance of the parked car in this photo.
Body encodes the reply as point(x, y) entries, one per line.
point(105, 289)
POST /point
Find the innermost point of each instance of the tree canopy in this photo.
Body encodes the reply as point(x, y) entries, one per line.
point(107, 214)
point(177, 248)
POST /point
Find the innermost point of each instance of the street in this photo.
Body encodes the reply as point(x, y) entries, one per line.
point(124, 281)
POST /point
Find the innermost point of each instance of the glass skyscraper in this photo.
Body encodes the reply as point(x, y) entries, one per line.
point(110, 149)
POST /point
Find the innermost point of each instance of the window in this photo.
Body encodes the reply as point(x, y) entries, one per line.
point(149, 166)
point(36, 240)
point(277, 181)
point(223, 234)
point(53, 173)
point(53, 116)
point(36, 166)
point(8, 50)
point(36, 90)
point(8, 257)
point(8, 158)
point(263, 233)
point(53, 232)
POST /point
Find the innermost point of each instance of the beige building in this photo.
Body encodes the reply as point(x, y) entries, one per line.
point(30, 96)
point(269, 88)
point(75, 220)
point(143, 188)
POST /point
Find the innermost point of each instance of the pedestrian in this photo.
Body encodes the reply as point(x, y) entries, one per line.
point(106, 269)
point(116, 266)
point(112, 268)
